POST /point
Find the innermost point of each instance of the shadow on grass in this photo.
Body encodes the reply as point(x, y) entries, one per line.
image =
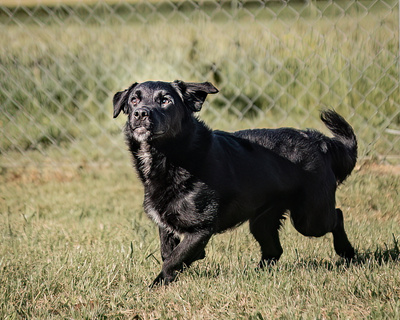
point(388, 253)
point(379, 256)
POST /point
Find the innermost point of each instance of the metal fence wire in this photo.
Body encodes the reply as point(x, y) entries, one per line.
point(276, 63)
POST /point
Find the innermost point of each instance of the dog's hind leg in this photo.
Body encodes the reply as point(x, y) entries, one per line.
point(341, 243)
point(265, 229)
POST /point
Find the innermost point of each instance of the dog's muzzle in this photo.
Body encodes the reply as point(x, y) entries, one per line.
point(144, 125)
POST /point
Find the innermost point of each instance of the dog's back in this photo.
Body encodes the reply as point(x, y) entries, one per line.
point(308, 147)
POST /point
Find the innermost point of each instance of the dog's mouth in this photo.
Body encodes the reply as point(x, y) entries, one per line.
point(143, 133)
point(148, 128)
point(141, 130)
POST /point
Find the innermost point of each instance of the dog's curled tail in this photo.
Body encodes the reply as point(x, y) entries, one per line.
point(343, 146)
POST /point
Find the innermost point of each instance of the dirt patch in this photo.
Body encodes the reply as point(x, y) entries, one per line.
point(368, 166)
point(67, 172)
point(49, 173)
point(39, 175)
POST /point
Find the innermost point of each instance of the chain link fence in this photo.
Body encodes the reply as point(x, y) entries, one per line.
point(276, 63)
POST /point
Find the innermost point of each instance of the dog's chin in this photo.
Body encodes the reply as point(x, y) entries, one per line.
point(142, 134)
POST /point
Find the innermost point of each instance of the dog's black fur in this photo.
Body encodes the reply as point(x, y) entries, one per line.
point(200, 182)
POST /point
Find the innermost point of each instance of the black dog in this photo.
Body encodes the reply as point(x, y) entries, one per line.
point(199, 182)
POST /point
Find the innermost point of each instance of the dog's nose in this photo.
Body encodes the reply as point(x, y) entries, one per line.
point(141, 113)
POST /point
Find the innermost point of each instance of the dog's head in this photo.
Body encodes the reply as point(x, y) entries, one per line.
point(158, 109)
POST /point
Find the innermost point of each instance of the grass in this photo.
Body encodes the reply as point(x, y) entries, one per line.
point(75, 243)
point(274, 65)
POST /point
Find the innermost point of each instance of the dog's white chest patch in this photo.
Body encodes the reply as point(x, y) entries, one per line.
point(145, 159)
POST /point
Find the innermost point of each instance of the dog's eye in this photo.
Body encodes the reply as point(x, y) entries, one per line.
point(165, 101)
point(134, 101)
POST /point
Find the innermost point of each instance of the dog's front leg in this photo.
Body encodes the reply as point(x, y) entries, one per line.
point(188, 250)
point(168, 242)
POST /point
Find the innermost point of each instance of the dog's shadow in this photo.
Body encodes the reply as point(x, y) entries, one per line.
point(379, 256)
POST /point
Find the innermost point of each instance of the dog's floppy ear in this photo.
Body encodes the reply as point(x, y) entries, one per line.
point(194, 94)
point(120, 100)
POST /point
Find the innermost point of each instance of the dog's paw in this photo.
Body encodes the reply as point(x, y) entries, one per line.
point(162, 280)
point(347, 254)
point(267, 262)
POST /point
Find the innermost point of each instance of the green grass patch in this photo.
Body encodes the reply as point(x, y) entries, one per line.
point(75, 243)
